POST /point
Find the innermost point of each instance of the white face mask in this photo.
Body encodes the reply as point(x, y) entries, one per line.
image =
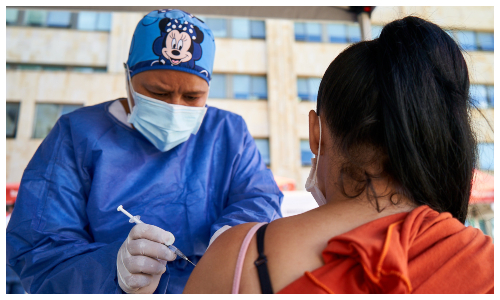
point(164, 125)
point(312, 180)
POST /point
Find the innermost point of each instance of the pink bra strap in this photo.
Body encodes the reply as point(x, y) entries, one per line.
point(241, 257)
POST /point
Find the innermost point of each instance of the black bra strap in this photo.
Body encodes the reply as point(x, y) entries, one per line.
point(261, 263)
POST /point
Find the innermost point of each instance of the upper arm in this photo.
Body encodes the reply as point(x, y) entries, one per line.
point(214, 273)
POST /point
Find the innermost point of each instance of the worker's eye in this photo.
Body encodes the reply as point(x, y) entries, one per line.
point(191, 98)
point(160, 94)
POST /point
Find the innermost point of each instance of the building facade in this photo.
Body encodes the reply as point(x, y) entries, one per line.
point(268, 71)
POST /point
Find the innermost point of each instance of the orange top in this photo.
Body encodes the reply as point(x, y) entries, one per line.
point(418, 252)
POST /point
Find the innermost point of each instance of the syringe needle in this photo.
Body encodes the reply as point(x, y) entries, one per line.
point(190, 262)
point(171, 247)
point(179, 253)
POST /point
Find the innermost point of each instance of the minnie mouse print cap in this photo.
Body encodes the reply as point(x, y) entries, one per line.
point(172, 39)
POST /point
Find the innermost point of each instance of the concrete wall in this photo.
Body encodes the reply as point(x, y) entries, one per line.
point(56, 46)
point(478, 18)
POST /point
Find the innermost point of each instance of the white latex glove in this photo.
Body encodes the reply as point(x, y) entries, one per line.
point(142, 258)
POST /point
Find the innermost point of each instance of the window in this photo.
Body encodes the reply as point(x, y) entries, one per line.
point(466, 39)
point(86, 20)
point(248, 29)
point(310, 32)
point(300, 31)
point(259, 87)
point(241, 86)
point(218, 86)
point(305, 153)
point(376, 30)
point(11, 15)
point(302, 90)
point(307, 88)
point(46, 116)
point(36, 67)
point(89, 69)
point(482, 95)
point(99, 21)
point(59, 19)
point(238, 86)
point(263, 146)
point(257, 29)
point(337, 33)
point(35, 17)
point(218, 26)
point(249, 87)
point(486, 156)
point(241, 28)
point(103, 22)
point(54, 68)
point(491, 96)
point(485, 41)
point(94, 21)
point(27, 67)
point(471, 40)
point(354, 33)
point(12, 111)
point(238, 28)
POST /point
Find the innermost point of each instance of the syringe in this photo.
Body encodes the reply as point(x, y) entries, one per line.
point(171, 247)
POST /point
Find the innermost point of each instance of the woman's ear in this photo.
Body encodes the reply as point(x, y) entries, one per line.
point(313, 132)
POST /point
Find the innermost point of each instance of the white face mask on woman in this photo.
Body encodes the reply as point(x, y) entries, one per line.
point(312, 180)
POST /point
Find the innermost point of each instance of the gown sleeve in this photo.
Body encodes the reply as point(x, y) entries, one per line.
point(48, 241)
point(253, 194)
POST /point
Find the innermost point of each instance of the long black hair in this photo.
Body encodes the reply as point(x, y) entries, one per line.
point(405, 94)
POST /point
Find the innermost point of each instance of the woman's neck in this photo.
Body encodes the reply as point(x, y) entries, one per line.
point(362, 209)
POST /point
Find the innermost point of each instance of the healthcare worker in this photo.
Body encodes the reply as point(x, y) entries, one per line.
point(188, 170)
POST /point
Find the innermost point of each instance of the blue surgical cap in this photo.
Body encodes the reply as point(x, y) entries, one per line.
point(172, 39)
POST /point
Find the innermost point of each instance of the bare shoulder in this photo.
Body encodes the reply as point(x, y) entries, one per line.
point(215, 271)
point(285, 242)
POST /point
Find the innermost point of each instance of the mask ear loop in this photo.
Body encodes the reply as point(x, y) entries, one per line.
point(319, 149)
point(128, 83)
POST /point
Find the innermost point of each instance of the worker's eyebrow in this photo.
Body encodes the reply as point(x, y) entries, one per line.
point(195, 92)
point(157, 86)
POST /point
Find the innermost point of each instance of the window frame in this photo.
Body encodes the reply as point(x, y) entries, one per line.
point(480, 151)
point(252, 94)
point(19, 17)
point(225, 86)
point(329, 37)
point(310, 96)
point(480, 45)
point(253, 35)
point(68, 25)
point(22, 20)
point(60, 114)
point(489, 101)
point(256, 141)
point(304, 163)
point(16, 121)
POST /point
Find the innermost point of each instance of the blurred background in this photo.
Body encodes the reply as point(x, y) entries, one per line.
point(268, 67)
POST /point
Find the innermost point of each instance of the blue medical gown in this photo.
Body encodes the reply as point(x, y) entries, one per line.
point(65, 232)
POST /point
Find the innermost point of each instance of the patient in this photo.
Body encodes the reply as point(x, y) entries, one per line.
point(395, 155)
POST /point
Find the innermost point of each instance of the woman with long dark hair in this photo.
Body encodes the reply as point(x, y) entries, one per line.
point(395, 155)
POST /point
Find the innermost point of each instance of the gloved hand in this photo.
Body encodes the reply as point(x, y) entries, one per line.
point(142, 258)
